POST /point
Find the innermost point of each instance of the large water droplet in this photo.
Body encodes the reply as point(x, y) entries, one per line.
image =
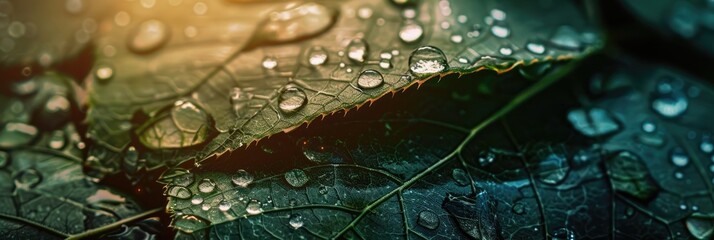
point(104, 73)
point(357, 50)
point(427, 60)
point(411, 32)
point(242, 178)
point(535, 47)
point(486, 157)
point(428, 219)
point(296, 221)
point(298, 21)
point(224, 205)
point(563, 234)
point(57, 140)
point(317, 56)
point(15, 134)
point(178, 192)
point(296, 178)
point(187, 125)
point(706, 146)
point(678, 157)
point(206, 185)
point(270, 63)
point(292, 99)
point(370, 79)
point(553, 166)
point(500, 30)
point(594, 122)
point(28, 178)
point(253, 207)
point(149, 36)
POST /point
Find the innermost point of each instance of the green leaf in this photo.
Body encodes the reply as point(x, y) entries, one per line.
point(461, 164)
point(47, 32)
point(208, 81)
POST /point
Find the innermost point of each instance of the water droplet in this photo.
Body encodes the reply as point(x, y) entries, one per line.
point(518, 208)
point(104, 73)
point(296, 221)
point(296, 178)
point(196, 199)
point(242, 178)
point(700, 227)
point(427, 60)
point(670, 105)
point(679, 175)
point(357, 50)
point(370, 79)
point(57, 140)
point(206, 185)
point(149, 36)
point(317, 56)
point(292, 99)
point(27, 179)
point(411, 32)
point(15, 134)
point(594, 122)
point(563, 234)
point(178, 192)
point(505, 51)
point(678, 157)
point(365, 12)
point(498, 14)
point(224, 205)
point(460, 177)
point(566, 37)
point(205, 206)
point(500, 30)
point(186, 125)
point(270, 63)
point(298, 21)
point(554, 166)
point(253, 207)
point(428, 219)
point(535, 47)
point(649, 127)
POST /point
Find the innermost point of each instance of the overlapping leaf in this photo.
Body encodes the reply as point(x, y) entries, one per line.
point(202, 78)
point(575, 169)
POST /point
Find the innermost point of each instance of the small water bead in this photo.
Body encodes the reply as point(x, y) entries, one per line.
point(196, 199)
point(183, 180)
point(292, 99)
point(206, 185)
point(178, 192)
point(505, 51)
point(104, 72)
point(370, 79)
point(364, 12)
point(678, 157)
point(427, 60)
point(296, 178)
point(518, 208)
point(535, 47)
point(253, 207)
point(500, 30)
point(296, 221)
point(357, 50)
point(224, 205)
point(649, 127)
point(149, 36)
point(563, 234)
point(463, 60)
point(317, 56)
point(242, 178)
point(57, 140)
point(670, 105)
point(428, 219)
point(411, 32)
point(206, 207)
point(270, 63)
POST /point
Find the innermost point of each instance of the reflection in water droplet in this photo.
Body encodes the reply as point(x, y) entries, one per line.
point(296, 178)
point(196, 199)
point(224, 205)
point(183, 180)
point(253, 207)
point(365, 12)
point(292, 99)
point(594, 122)
point(505, 51)
point(27, 179)
point(498, 14)
point(553, 166)
point(240, 100)
point(299, 21)
point(242, 178)
point(357, 50)
point(178, 192)
point(428, 219)
point(678, 157)
point(411, 32)
point(149, 36)
point(205, 206)
point(486, 157)
point(369, 79)
point(518, 208)
point(296, 221)
point(457, 38)
point(206, 185)
point(14, 135)
point(317, 56)
point(563, 234)
point(270, 63)
point(427, 60)
point(460, 177)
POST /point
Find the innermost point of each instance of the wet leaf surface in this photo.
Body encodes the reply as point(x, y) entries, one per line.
point(414, 172)
point(202, 80)
point(44, 193)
